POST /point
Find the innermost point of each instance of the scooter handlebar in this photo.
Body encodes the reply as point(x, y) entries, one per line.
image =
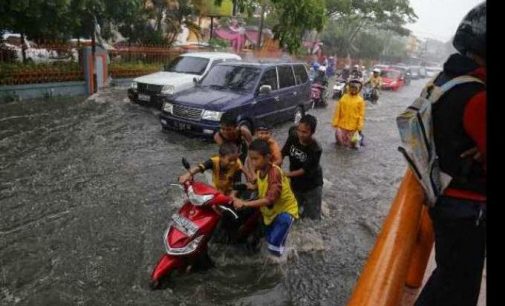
point(231, 211)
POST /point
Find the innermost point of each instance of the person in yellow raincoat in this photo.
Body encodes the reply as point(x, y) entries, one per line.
point(349, 117)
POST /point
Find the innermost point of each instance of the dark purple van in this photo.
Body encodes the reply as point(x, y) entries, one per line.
point(271, 92)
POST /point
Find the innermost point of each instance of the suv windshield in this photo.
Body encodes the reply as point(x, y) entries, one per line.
point(238, 78)
point(188, 64)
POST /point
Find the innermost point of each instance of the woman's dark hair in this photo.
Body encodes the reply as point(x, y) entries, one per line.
point(227, 119)
point(260, 146)
point(263, 126)
point(228, 148)
point(310, 121)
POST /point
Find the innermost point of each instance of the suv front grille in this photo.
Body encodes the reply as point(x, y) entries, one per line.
point(149, 88)
point(187, 112)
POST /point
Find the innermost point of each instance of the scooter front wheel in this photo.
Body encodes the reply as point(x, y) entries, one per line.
point(164, 268)
point(161, 282)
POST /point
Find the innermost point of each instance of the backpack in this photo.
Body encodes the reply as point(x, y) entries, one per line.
point(417, 142)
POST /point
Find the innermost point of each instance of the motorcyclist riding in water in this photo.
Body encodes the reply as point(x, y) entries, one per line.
point(356, 73)
point(319, 87)
point(321, 77)
point(375, 80)
point(345, 73)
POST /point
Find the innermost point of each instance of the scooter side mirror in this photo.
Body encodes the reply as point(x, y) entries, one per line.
point(185, 163)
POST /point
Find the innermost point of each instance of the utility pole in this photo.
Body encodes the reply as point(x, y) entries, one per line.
point(211, 26)
point(258, 45)
point(93, 54)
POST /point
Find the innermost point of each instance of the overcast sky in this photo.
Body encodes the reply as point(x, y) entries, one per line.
point(439, 19)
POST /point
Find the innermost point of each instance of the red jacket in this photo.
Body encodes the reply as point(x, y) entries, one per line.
point(474, 123)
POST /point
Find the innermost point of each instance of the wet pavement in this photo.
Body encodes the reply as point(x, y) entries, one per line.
point(85, 198)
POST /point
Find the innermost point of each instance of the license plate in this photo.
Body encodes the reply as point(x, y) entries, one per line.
point(184, 225)
point(182, 126)
point(144, 97)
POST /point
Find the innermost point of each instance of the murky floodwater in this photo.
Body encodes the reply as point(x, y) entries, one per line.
point(85, 197)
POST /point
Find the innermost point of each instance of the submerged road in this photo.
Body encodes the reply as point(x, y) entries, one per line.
point(85, 198)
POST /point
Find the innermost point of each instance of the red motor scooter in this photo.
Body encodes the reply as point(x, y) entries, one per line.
point(191, 228)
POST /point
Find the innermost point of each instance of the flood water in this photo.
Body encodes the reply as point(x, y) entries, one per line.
point(85, 198)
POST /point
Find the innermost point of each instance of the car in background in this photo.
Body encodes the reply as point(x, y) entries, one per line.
point(406, 74)
point(11, 49)
point(380, 66)
point(180, 74)
point(270, 92)
point(391, 79)
point(433, 71)
point(422, 72)
point(415, 72)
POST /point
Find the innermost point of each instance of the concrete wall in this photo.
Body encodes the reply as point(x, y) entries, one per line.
point(121, 82)
point(43, 90)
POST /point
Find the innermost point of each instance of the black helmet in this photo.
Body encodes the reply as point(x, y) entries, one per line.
point(356, 81)
point(471, 33)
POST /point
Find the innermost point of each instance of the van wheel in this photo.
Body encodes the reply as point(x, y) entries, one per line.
point(298, 114)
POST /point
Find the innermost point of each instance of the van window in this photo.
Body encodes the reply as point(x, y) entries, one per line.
point(188, 64)
point(286, 77)
point(216, 61)
point(300, 74)
point(269, 78)
point(230, 77)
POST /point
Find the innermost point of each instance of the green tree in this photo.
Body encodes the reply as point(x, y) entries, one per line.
point(35, 19)
point(294, 17)
point(357, 27)
point(178, 15)
point(385, 14)
point(289, 19)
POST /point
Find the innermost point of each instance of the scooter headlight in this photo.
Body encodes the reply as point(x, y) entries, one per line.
point(188, 249)
point(198, 199)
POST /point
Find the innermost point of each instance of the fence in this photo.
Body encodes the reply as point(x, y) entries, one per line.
point(44, 62)
point(135, 60)
point(60, 61)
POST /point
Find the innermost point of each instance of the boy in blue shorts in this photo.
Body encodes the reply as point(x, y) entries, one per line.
point(276, 201)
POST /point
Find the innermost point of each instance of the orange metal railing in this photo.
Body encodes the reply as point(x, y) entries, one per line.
point(401, 250)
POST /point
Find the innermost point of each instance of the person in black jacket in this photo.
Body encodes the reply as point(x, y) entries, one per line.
point(306, 175)
point(459, 130)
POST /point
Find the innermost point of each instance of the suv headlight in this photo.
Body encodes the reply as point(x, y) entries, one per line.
point(211, 115)
point(168, 90)
point(168, 107)
point(133, 85)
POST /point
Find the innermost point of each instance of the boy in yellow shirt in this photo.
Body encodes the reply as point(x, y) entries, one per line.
point(276, 201)
point(226, 168)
